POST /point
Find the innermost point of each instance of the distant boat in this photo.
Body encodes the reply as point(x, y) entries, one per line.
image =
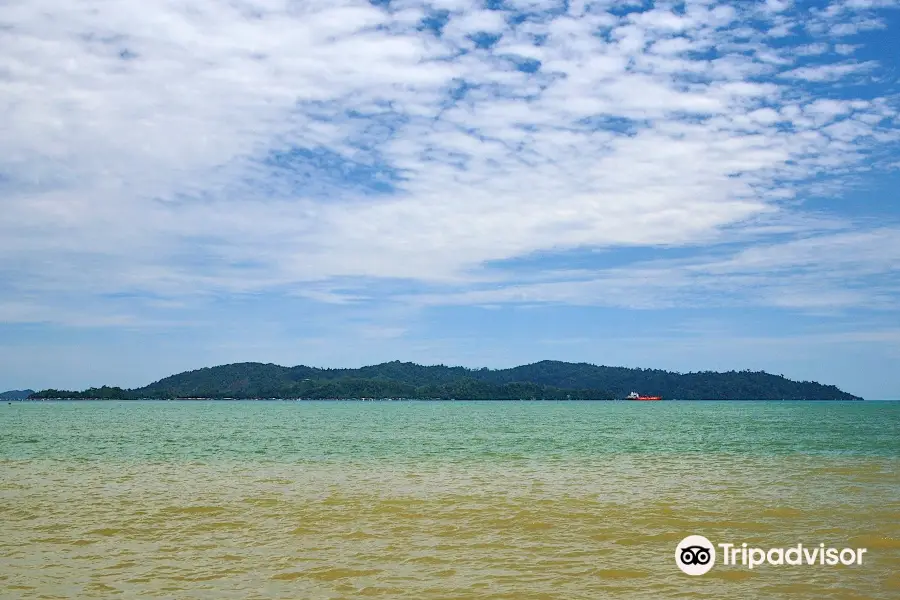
point(636, 396)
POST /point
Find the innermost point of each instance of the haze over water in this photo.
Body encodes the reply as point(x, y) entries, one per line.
point(428, 500)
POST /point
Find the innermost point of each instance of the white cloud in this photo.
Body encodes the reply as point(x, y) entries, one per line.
point(812, 49)
point(830, 72)
point(778, 5)
point(863, 4)
point(846, 49)
point(135, 136)
point(831, 271)
point(848, 29)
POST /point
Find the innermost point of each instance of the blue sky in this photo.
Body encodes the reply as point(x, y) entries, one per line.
point(693, 185)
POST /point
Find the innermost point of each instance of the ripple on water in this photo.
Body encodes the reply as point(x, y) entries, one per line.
point(508, 502)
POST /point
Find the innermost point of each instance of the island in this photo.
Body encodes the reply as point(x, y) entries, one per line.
point(545, 380)
point(16, 394)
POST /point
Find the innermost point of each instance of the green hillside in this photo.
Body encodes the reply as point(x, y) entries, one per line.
point(15, 394)
point(550, 380)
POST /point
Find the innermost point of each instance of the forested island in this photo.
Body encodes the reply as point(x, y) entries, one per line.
point(546, 380)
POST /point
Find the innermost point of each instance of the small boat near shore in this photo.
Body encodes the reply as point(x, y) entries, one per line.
point(636, 396)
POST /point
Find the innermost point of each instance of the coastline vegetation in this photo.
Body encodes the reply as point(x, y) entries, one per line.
point(546, 380)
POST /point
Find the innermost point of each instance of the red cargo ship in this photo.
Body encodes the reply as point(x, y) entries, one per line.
point(636, 396)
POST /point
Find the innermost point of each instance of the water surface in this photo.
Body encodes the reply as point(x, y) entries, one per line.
point(427, 500)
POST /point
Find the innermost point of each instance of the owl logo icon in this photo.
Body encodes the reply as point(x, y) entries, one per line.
point(695, 555)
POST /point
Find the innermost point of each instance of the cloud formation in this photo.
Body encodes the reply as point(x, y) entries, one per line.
point(174, 148)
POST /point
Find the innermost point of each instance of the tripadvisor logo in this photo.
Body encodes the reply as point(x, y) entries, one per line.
point(696, 555)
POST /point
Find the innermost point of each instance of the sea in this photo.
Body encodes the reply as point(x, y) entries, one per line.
point(443, 500)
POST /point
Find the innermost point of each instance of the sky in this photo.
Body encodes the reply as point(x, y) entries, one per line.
point(692, 186)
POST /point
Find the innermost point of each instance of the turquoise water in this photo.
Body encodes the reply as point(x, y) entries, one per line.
point(441, 500)
point(443, 431)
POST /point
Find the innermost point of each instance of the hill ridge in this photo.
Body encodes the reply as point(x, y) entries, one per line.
point(16, 394)
point(546, 379)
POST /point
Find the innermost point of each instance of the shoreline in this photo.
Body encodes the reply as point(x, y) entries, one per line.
point(208, 399)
